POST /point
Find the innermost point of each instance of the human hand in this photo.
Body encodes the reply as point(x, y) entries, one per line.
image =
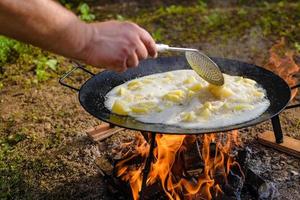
point(117, 45)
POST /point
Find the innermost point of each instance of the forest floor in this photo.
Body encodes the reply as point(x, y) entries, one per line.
point(44, 151)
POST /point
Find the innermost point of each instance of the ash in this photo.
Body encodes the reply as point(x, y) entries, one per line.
point(282, 172)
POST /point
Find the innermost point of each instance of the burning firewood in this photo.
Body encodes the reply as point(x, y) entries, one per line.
point(180, 179)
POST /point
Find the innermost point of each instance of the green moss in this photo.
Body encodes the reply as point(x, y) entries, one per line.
point(11, 49)
point(172, 24)
point(24, 64)
point(11, 177)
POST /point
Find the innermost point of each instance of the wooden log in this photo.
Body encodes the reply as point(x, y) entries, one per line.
point(102, 131)
point(95, 130)
point(105, 134)
point(290, 145)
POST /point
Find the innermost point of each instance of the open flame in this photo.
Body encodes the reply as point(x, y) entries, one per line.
point(281, 62)
point(168, 167)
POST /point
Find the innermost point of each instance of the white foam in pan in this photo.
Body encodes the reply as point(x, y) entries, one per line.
point(181, 98)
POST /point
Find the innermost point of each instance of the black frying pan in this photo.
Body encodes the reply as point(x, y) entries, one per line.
point(92, 92)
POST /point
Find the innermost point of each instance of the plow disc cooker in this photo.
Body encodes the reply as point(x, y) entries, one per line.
point(92, 92)
point(92, 97)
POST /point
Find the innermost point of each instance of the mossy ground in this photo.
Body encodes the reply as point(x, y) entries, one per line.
point(43, 150)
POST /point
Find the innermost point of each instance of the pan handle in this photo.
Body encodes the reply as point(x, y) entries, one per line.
point(296, 105)
point(66, 75)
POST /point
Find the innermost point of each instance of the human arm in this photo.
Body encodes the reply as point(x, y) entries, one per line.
point(46, 24)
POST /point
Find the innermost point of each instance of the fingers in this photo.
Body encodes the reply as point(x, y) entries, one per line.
point(119, 46)
point(148, 42)
point(139, 54)
point(144, 37)
point(123, 67)
point(132, 60)
point(141, 50)
point(118, 66)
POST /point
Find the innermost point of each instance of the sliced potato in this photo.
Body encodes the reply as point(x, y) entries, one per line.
point(120, 108)
point(220, 92)
point(147, 81)
point(190, 94)
point(188, 116)
point(121, 91)
point(177, 92)
point(243, 107)
point(258, 94)
point(249, 81)
point(168, 78)
point(128, 97)
point(139, 110)
point(144, 107)
point(190, 80)
point(172, 97)
point(138, 97)
point(205, 113)
point(207, 105)
point(196, 87)
point(133, 85)
point(175, 96)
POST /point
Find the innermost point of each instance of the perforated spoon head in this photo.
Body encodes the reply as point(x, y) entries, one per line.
point(205, 67)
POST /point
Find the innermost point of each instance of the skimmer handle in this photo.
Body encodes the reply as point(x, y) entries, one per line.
point(165, 47)
point(162, 47)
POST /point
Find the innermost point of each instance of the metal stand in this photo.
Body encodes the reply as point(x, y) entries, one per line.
point(277, 129)
point(286, 144)
point(147, 165)
point(276, 121)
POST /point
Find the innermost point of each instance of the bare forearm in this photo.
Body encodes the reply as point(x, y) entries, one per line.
point(43, 23)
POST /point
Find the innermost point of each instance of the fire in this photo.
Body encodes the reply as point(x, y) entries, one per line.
point(133, 175)
point(282, 63)
point(168, 167)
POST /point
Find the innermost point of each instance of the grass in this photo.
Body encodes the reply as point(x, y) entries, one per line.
point(196, 22)
point(29, 67)
point(11, 180)
point(31, 59)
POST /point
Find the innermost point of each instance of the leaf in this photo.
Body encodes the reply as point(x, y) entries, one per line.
point(52, 64)
point(84, 9)
point(120, 17)
point(85, 13)
point(14, 139)
point(41, 74)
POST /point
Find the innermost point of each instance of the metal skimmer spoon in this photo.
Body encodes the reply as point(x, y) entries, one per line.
point(199, 62)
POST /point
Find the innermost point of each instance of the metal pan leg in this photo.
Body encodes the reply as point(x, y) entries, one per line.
point(276, 121)
point(147, 166)
point(277, 129)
